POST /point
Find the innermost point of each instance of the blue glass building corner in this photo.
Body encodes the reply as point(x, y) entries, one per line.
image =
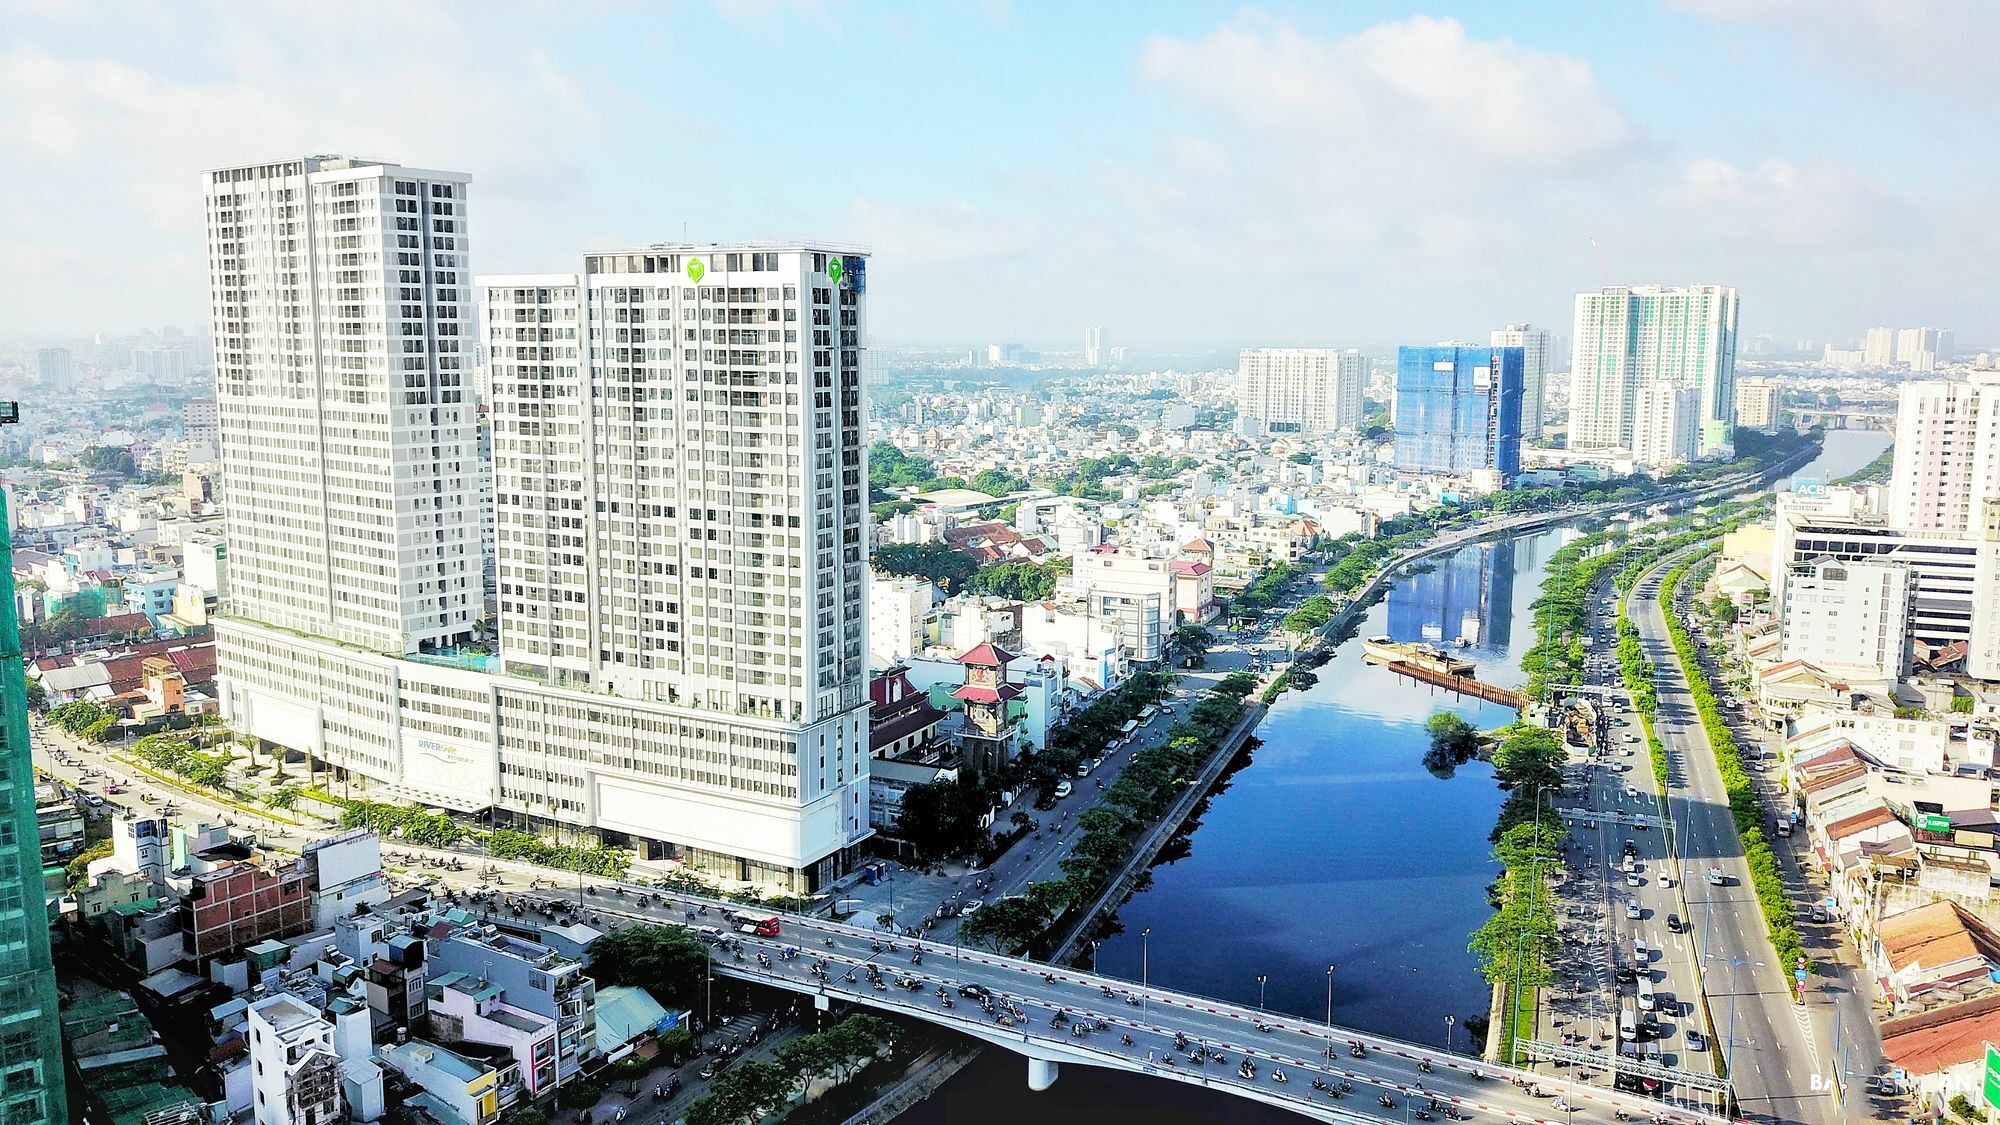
point(1458, 409)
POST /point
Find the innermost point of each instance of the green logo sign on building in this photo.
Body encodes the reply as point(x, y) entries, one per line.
point(696, 270)
point(1992, 1084)
point(834, 268)
point(1932, 822)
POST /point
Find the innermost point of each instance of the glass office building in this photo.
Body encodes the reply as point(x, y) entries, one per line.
point(1458, 409)
point(31, 1070)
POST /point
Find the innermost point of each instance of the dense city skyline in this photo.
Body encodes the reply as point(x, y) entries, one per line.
point(1764, 146)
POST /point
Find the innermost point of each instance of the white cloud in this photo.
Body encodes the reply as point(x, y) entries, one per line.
point(1410, 86)
point(1945, 45)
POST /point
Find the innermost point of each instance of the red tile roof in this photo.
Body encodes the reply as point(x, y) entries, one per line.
point(1859, 822)
point(1940, 1039)
point(978, 693)
point(988, 655)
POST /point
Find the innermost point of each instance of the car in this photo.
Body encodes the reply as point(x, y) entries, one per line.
point(1631, 791)
point(1673, 923)
point(1064, 789)
point(1819, 914)
point(1626, 973)
point(1694, 1041)
point(114, 790)
point(975, 992)
point(1632, 909)
point(971, 906)
point(1634, 879)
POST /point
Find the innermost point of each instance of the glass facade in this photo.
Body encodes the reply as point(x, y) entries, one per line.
point(31, 1074)
point(1459, 409)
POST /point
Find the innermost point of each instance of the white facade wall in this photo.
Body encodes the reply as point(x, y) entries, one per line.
point(1849, 615)
point(1664, 425)
point(1947, 453)
point(1534, 345)
point(1313, 390)
point(899, 609)
point(288, 1039)
point(340, 305)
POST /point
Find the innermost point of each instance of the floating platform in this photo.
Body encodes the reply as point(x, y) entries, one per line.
point(1431, 665)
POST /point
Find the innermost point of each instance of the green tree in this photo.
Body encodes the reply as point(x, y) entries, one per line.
point(747, 1091)
point(1009, 925)
point(78, 867)
point(889, 467)
point(1024, 581)
point(1238, 684)
point(995, 482)
point(941, 818)
point(109, 459)
point(935, 560)
point(666, 961)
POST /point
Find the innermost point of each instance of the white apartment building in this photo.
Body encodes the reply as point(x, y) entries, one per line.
point(340, 304)
point(1093, 346)
point(294, 1073)
point(680, 497)
point(1954, 580)
point(1757, 404)
point(1849, 616)
point(1878, 347)
point(1629, 337)
point(900, 610)
point(1947, 453)
point(681, 505)
point(1134, 589)
point(1534, 345)
point(1301, 390)
point(1665, 425)
point(1922, 348)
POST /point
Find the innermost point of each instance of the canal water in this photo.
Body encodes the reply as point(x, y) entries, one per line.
point(1334, 846)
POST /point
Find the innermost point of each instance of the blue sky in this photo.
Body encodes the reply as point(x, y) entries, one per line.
point(1186, 175)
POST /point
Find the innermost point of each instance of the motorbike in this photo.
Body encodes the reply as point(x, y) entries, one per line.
point(1386, 1102)
point(1322, 1086)
point(1132, 1000)
point(1248, 1069)
point(1279, 1076)
point(1424, 1066)
point(1422, 1115)
point(1126, 1039)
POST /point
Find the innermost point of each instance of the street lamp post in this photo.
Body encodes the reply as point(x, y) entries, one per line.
point(1261, 978)
point(1449, 1020)
point(1329, 1010)
point(1145, 956)
point(1729, 1049)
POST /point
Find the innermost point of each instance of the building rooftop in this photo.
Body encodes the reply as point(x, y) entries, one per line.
point(1934, 935)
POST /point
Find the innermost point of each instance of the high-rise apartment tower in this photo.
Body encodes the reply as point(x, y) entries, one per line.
point(343, 313)
point(1534, 345)
point(1308, 390)
point(1628, 337)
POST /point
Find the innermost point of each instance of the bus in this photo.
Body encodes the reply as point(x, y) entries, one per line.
point(1146, 715)
point(1126, 732)
point(756, 922)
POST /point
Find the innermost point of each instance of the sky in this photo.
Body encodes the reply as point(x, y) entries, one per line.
point(1185, 175)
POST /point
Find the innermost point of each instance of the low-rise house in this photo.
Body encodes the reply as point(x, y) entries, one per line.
point(457, 1089)
point(1936, 954)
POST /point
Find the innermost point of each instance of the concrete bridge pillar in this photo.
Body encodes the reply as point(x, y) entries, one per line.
point(1041, 1073)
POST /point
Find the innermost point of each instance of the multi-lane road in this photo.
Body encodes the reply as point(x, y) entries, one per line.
point(1764, 1035)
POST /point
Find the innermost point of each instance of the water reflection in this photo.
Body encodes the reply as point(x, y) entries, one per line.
point(1468, 597)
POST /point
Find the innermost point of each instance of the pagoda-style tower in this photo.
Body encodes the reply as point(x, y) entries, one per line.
point(991, 734)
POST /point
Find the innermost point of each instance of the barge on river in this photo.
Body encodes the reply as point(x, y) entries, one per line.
point(1433, 665)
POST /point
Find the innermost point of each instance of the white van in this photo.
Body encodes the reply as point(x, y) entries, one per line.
point(1628, 1026)
point(1632, 909)
point(1646, 992)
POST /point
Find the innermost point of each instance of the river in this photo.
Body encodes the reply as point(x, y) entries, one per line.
point(1334, 846)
